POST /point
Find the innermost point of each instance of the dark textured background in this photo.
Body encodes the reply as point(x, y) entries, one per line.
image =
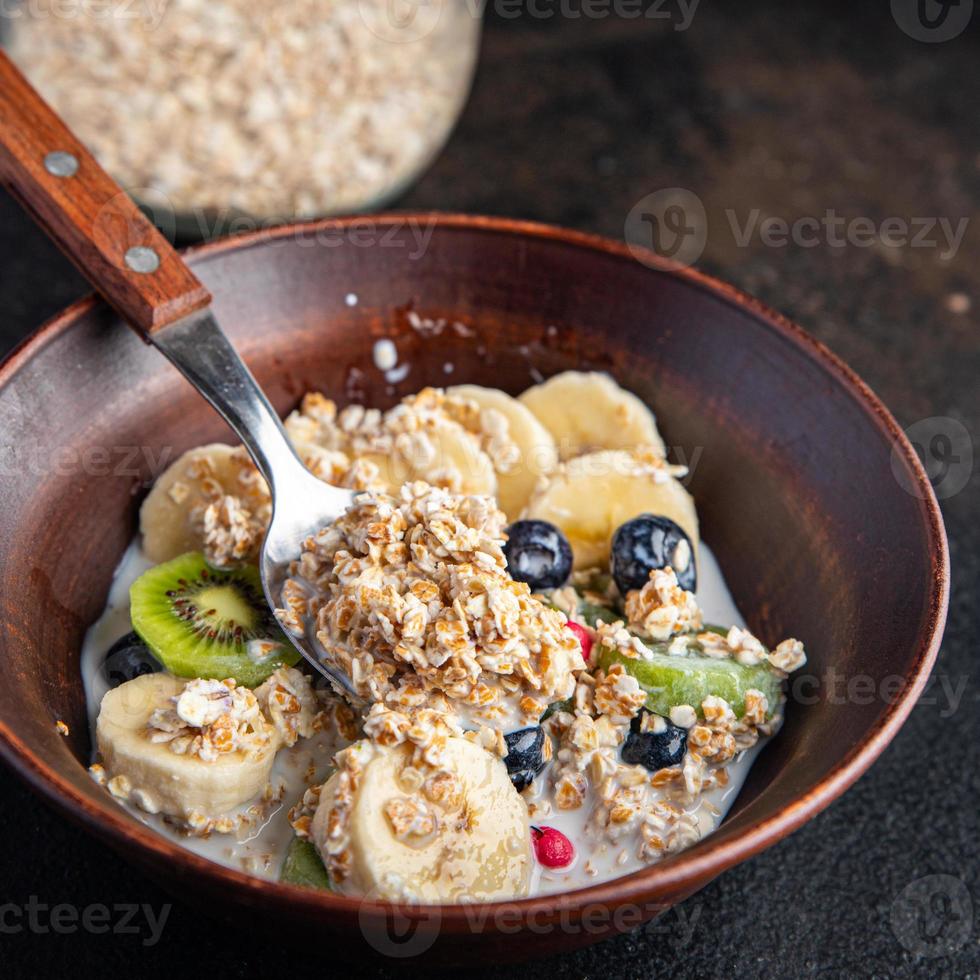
point(794, 110)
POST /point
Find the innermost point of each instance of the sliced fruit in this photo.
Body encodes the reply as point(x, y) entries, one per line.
point(671, 681)
point(539, 554)
point(203, 622)
point(588, 411)
point(447, 456)
point(537, 453)
point(592, 607)
point(591, 496)
point(167, 517)
point(160, 780)
point(567, 705)
point(592, 613)
point(303, 866)
point(466, 837)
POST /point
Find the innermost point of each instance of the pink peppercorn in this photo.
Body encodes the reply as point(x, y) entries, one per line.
point(585, 641)
point(552, 847)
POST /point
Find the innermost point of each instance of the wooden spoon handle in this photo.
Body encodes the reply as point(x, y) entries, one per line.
point(87, 214)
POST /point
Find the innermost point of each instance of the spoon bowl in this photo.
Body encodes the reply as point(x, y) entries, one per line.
point(302, 505)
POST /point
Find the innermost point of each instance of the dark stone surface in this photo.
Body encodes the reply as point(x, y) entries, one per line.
point(793, 110)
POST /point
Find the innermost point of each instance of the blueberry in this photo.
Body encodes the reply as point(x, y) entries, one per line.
point(127, 658)
point(654, 750)
point(539, 554)
point(648, 542)
point(525, 755)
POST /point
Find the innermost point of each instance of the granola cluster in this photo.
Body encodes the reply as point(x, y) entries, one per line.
point(662, 608)
point(650, 813)
point(290, 703)
point(209, 719)
point(740, 645)
point(447, 440)
point(232, 507)
point(411, 599)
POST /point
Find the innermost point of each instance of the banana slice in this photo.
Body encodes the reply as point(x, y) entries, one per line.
point(444, 454)
point(535, 453)
point(170, 515)
point(391, 830)
point(153, 776)
point(588, 411)
point(592, 495)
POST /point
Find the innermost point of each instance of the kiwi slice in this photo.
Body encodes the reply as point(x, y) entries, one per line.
point(204, 622)
point(303, 866)
point(593, 613)
point(671, 680)
point(590, 612)
point(567, 705)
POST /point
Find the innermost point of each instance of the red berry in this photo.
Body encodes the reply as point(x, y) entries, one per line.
point(585, 641)
point(552, 847)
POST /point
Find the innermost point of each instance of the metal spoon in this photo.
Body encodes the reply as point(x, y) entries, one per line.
point(137, 271)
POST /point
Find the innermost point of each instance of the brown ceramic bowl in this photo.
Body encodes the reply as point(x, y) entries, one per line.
point(820, 514)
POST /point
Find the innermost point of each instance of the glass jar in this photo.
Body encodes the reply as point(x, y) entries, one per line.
point(228, 110)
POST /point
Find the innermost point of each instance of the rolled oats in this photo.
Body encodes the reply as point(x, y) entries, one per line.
point(788, 656)
point(414, 601)
point(209, 719)
point(662, 608)
point(303, 108)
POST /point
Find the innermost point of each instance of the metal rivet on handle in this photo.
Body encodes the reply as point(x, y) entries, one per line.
point(61, 164)
point(142, 258)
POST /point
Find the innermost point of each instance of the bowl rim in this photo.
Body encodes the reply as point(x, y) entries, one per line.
point(679, 874)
